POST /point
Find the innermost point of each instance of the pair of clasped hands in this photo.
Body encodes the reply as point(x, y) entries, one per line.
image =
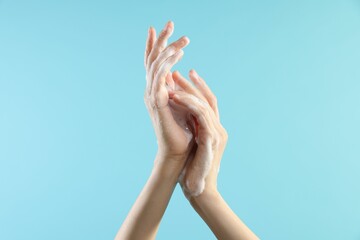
point(191, 155)
point(191, 141)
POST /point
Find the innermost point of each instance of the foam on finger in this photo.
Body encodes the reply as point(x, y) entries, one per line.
point(199, 170)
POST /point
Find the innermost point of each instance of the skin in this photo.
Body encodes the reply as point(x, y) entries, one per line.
point(180, 158)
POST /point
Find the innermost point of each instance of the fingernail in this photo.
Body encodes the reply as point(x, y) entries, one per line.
point(168, 26)
point(171, 94)
point(185, 40)
point(192, 71)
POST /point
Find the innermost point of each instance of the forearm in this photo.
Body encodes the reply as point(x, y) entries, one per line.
point(144, 217)
point(223, 222)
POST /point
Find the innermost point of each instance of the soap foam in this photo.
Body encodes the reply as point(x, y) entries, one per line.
point(195, 177)
point(181, 117)
point(192, 177)
point(180, 114)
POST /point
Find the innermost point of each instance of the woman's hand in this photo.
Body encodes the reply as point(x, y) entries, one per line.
point(173, 134)
point(201, 170)
point(191, 116)
point(173, 138)
point(199, 177)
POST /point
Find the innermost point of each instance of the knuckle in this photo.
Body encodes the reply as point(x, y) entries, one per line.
point(162, 35)
point(153, 64)
point(215, 141)
point(224, 134)
point(209, 134)
point(202, 104)
point(151, 56)
point(214, 98)
point(147, 104)
point(151, 101)
point(203, 112)
point(148, 76)
point(154, 72)
point(147, 51)
point(171, 49)
point(212, 104)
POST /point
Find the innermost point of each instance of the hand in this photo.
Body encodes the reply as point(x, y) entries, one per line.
point(199, 177)
point(201, 170)
point(181, 117)
point(173, 134)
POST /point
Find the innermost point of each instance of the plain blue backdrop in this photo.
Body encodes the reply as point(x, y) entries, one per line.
point(77, 145)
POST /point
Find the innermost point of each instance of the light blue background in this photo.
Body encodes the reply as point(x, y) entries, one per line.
point(77, 145)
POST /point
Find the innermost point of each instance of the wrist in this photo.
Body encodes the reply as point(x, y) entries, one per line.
point(168, 167)
point(206, 201)
point(209, 195)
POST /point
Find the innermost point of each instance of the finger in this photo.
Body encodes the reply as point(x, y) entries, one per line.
point(205, 90)
point(159, 79)
point(189, 159)
point(186, 85)
point(161, 42)
point(196, 107)
point(170, 50)
point(170, 81)
point(199, 169)
point(150, 41)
